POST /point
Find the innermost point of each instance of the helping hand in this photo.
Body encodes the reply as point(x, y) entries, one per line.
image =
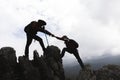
point(52, 35)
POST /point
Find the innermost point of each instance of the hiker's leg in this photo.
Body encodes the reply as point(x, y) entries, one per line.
point(40, 41)
point(29, 40)
point(63, 52)
point(76, 54)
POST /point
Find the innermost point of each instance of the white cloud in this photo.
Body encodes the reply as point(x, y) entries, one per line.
point(94, 24)
point(104, 10)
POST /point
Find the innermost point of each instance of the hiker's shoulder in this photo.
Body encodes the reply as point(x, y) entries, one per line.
point(34, 22)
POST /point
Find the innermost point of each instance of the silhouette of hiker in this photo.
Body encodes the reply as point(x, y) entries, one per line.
point(71, 47)
point(31, 31)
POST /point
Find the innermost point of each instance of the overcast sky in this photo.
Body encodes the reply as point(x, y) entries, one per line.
point(94, 24)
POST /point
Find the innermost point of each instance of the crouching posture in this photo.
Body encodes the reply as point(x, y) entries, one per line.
point(71, 47)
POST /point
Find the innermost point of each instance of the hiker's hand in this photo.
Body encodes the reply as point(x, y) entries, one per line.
point(52, 35)
point(55, 36)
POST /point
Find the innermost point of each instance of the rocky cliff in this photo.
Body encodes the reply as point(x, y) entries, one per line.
point(46, 67)
point(107, 72)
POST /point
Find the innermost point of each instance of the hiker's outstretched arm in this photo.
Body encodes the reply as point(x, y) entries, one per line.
point(47, 32)
point(59, 38)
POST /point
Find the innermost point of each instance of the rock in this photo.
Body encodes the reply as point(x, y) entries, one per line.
point(55, 62)
point(9, 54)
point(108, 72)
point(45, 67)
point(87, 74)
point(29, 71)
point(50, 64)
point(41, 64)
point(8, 62)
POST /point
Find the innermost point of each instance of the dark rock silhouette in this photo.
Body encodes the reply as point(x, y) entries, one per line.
point(8, 62)
point(107, 72)
point(87, 74)
point(46, 67)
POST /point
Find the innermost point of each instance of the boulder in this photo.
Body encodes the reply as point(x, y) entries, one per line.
point(8, 62)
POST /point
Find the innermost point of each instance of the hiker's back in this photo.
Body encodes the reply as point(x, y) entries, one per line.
point(31, 28)
point(71, 43)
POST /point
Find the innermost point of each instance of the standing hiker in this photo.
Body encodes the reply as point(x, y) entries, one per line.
point(31, 31)
point(71, 47)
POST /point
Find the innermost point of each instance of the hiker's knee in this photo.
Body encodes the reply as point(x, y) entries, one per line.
point(40, 40)
point(64, 49)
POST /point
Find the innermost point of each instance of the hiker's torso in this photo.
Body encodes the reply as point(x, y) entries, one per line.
point(71, 44)
point(32, 28)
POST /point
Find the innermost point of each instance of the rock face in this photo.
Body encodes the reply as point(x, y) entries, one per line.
point(8, 63)
point(86, 74)
point(47, 67)
point(108, 72)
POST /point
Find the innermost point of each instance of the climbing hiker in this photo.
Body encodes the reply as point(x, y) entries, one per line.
point(31, 31)
point(71, 47)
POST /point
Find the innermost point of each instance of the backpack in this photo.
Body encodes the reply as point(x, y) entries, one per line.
point(31, 27)
point(73, 44)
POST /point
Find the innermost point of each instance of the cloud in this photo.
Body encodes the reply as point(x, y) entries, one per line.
point(104, 11)
point(93, 24)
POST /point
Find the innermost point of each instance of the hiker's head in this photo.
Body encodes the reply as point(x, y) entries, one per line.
point(41, 23)
point(65, 37)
